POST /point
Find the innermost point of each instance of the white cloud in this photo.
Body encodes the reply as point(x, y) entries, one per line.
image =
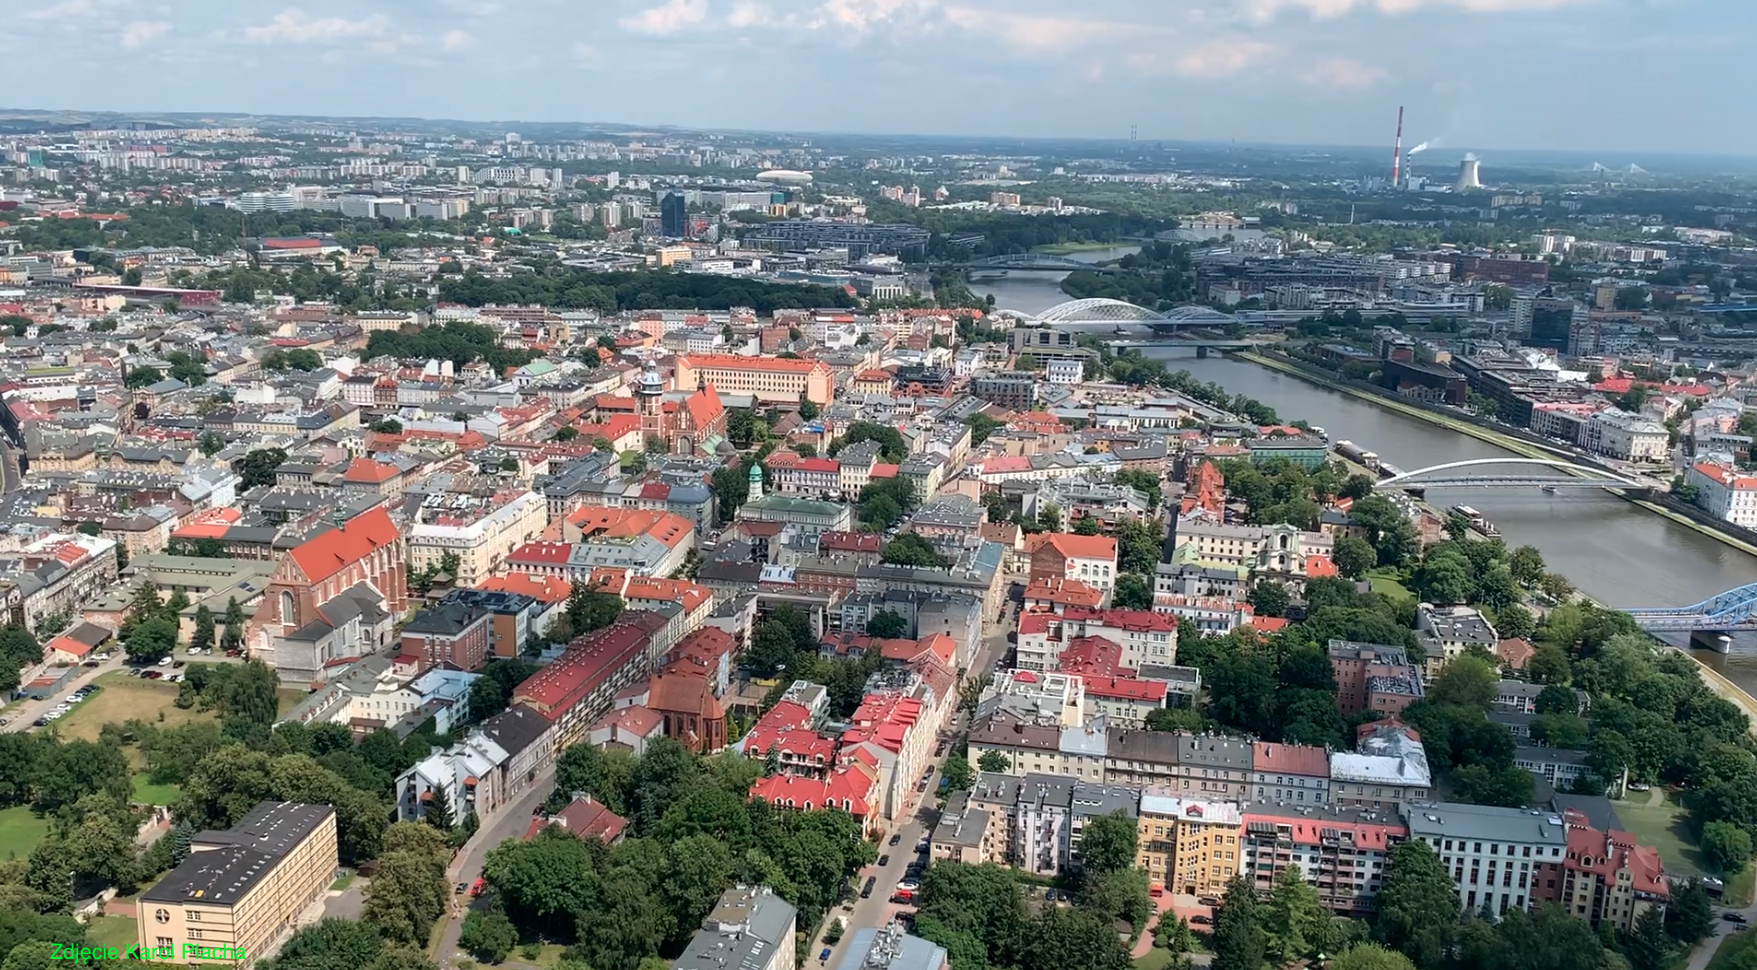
point(1023, 32)
point(456, 40)
point(1222, 57)
point(667, 18)
point(1328, 9)
point(293, 26)
point(1345, 73)
point(141, 32)
point(68, 8)
point(747, 13)
point(862, 16)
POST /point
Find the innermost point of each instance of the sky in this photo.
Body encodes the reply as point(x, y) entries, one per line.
point(1618, 76)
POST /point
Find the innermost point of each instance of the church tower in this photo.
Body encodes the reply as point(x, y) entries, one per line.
point(756, 482)
point(650, 402)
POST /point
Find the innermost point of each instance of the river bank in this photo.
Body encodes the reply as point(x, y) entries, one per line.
point(1519, 446)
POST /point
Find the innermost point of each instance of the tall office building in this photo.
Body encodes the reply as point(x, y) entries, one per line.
point(673, 216)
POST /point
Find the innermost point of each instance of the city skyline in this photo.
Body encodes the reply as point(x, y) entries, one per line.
point(1473, 73)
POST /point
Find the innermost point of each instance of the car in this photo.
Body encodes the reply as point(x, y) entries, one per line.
point(1733, 917)
point(178, 664)
point(821, 957)
point(922, 785)
point(164, 661)
point(232, 652)
point(903, 896)
point(462, 887)
point(1208, 900)
point(1200, 920)
point(895, 838)
point(73, 698)
point(52, 716)
point(40, 722)
point(1639, 786)
point(477, 886)
point(921, 847)
point(195, 651)
point(866, 890)
point(89, 663)
point(884, 860)
point(908, 886)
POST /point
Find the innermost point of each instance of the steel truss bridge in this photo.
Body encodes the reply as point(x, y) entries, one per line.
point(1033, 263)
point(1735, 609)
point(1460, 474)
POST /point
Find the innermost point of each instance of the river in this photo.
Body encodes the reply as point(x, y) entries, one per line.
point(1610, 549)
point(1037, 292)
point(1613, 551)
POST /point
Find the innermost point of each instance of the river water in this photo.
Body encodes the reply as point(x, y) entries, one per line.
point(1610, 549)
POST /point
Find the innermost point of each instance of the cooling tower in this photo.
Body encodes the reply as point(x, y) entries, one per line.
point(1469, 175)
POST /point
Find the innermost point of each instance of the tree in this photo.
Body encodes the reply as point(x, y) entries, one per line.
point(1527, 565)
point(1132, 592)
point(1417, 905)
point(911, 549)
point(1108, 843)
point(1295, 919)
point(233, 637)
point(994, 761)
point(149, 641)
point(1368, 956)
point(958, 774)
point(331, 943)
point(1270, 598)
point(203, 637)
point(1466, 681)
point(257, 467)
point(488, 937)
point(566, 434)
point(437, 813)
point(1690, 916)
point(407, 893)
point(887, 625)
point(1086, 526)
point(543, 881)
point(1239, 941)
point(1354, 556)
point(1646, 946)
point(1726, 846)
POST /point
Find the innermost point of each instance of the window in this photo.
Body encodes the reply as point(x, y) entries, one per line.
point(161, 915)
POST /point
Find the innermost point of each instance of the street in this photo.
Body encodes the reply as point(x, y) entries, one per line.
point(878, 910)
point(1722, 930)
point(510, 823)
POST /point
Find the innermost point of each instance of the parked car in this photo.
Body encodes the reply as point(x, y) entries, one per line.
point(866, 890)
point(903, 896)
point(884, 860)
point(921, 847)
point(895, 838)
point(1639, 786)
point(1200, 920)
point(908, 886)
point(40, 722)
point(164, 661)
point(479, 885)
point(178, 663)
point(1733, 917)
point(89, 663)
point(462, 887)
point(824, 955)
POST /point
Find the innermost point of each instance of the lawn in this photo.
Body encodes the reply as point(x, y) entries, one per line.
point(20, 831)
point(1729, 950)
point(1665, 826)
point(1069, 248)
point(147, 793)
point(126, 698)
point(116, 931)
point(1385, 583)
point(288, 698)
point(1154, 959)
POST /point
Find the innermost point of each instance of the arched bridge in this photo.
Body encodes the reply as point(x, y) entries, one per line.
point(1735, 609)
point(1463, 474)
point(1103, 315)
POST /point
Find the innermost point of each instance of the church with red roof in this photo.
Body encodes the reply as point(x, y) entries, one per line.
point(332, 599)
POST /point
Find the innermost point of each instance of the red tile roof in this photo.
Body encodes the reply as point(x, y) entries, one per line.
point(583, 818)
point(369, 472)
point(1071, 546)
point(585, 665)
point(849, 787)
point(549, 589)
point(1290, 759)
point(327, 554)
